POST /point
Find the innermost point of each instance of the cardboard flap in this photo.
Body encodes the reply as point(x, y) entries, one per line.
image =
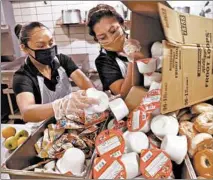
point(185, 28)
point(146, 8)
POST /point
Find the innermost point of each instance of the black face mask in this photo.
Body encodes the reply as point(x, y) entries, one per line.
point(45, 56)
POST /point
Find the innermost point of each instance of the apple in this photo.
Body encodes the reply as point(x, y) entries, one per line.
point(22, 133)
point(11, 143)
point(21, 140)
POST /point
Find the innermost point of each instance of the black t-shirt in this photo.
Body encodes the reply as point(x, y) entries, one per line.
point(25, 79)
point(108, 68)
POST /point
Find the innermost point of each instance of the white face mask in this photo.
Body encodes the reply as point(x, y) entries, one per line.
point(116, 43)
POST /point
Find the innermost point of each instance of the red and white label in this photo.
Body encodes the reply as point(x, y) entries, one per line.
point(151, 101)
point(137, 119)
point(155, 163)
point(110, 142)
point(109, 168)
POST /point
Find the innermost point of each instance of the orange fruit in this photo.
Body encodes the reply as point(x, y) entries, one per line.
point(8, 132)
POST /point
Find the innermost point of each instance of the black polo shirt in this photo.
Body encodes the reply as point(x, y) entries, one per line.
point(108, 68)
point(25, 79)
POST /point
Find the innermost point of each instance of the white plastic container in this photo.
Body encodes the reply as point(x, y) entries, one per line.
point(131, 163)
point(175, 146)
point(72, 161)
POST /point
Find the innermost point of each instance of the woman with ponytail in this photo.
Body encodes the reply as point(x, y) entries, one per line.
point(42, 85)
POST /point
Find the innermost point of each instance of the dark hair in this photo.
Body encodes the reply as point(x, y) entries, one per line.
point(23, 31)
point(98, 12)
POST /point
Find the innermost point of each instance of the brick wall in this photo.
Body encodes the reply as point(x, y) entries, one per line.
point(77, 40)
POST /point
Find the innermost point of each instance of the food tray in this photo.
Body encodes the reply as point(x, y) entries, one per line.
point(25, 155)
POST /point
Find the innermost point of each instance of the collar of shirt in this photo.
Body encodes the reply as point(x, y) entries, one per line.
point(113, 55)
point(36, 72)
point(50, 83)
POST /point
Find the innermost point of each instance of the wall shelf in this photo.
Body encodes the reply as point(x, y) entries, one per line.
point(127, 23)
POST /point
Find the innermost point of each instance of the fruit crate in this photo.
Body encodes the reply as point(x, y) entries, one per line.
point(25, 155)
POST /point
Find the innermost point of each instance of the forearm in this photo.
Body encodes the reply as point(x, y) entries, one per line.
point(37, 112)
point(127, 84)
point(81, 80)
point(85, 84)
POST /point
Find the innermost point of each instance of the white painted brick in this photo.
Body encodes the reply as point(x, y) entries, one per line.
point(16, 5)
point(77, 30)
point(112, 3)
point(75, 37)
point(51, 30)
point(63, 45)
point(88, 37)
point(45, 17)
point(61, 30)
point(55, 23)
point(44, 10)
point(28, 11)
point(24, 4)
point(92, 44)
point(17, 12)
point(92, 63)
point(41, 3)
point(64, 51)
point(29, 18)
point(93, 50)
point(18, 19)
point(92, 57)
point(58, 3)
point(74, 6)
point(56, 16)
point(49, 24)
point(78, 50)
point(58, 9)
point(62, 38)
point(195, 10)
point(78, 44)
point(73, 2)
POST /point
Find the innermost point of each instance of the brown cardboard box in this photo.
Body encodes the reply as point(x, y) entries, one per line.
point(135, 96)
point(187, 76)
point(185, 28)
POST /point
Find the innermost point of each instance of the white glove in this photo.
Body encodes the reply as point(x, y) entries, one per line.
point(131, 46)
point(74, 103)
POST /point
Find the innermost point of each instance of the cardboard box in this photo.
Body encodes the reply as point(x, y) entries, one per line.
point(134, 97)
point(187, 75)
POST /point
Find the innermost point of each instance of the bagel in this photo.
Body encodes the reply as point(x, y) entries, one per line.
point(203, 163)
point(204, 122)
point(201, 108)
point(187, 128)
point(206, 144)
point(195, 141)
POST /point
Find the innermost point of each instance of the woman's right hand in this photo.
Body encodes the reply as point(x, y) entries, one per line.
point(78, 101)
point(74, 103)
point(131, 46)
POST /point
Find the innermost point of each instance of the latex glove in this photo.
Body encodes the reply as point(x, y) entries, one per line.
point(74, 103)
point(131, 46)
point(111, 96)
